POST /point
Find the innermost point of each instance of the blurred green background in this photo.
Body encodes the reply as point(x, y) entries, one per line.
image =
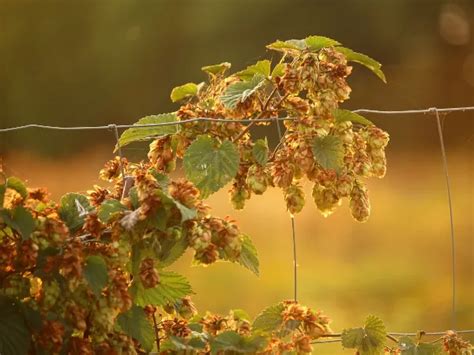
point(97, 62)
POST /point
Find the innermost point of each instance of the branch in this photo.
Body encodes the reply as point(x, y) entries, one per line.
point(157, 336)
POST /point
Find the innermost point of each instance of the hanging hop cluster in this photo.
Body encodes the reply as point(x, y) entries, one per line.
point(215, 238)
point(335, 149)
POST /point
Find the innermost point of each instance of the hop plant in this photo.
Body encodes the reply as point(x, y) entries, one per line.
point(86, 268)
point(257, 179)
point(294, 197)
point(454, 344)
point(326, 199)
point(148, 274)
point(359, 202)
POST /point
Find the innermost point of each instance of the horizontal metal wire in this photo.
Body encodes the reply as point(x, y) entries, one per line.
point(465, 331)
point(225, 120)
point(338, 335)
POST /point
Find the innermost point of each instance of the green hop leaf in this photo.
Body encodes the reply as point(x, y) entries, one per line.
point(291, 45)
point(315, 43)
point(133, 195)
point(32, 317)
point(216, 69)
point(262, 67)
point(409, 347)
point(3, 189)
point(182, 345)
point(95, 272)
point(14, 335)
point(230, 341)
point(19, 219)
point(328, 151)
point(269, 320)
point(72, 210)
point(172, 287)
point(147, 133)
point(369, 340)
point(171, 250)
point(162, 179)
point(278, 70)
point(240, 314)
point(346, 115)
point(260, 151)
point(186, 212)
point(184, 91)
point(18, 185)
point(248, 255)
point(365, 60)
point(241, 91)
point(312, 43)
point(108, 208)
point(135, 324)
point(210, 165)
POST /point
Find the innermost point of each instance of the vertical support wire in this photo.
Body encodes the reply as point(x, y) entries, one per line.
point(295, 265)
point(451, 219)
point(293, 231)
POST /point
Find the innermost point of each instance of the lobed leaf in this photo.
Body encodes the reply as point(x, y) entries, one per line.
point(369, 340)
point(240, 314)
point(216, 69)
point(363, 59)
point(18, 185)
point(269, 320)
point(172, 250)
point(162, 179)
point(278, 70)
point(69, 212)
point(147, 133)
point(15, 337)
point(346, 115)
point(181, 92)
point(262, 67)
point(248, 255)
point(182, 345)
point(186, 212)
point(312, 43)
point(289, 45)
point(315, 43)
point(19, 219)
point(3, 189)
point(108, 209)
point(96, 274)
point(135, 324)
point(408, 346)
point(172, 287)
point(239, 92)
point(31, 316)
point(260, 151)
point(328, 151)
point(210, 164)
point(231, 341)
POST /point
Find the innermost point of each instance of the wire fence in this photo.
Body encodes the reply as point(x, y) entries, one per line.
point(434, 111)
point(112, 126)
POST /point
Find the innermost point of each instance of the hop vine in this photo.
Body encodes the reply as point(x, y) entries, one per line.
point(90, 274)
